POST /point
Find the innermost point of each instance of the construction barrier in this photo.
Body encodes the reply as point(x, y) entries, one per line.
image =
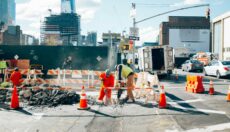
point(194, 84)
point(76, 77)
point(228, 95)
point(211, 88)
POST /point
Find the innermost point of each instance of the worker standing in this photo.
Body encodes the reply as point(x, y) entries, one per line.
point(16, 77)
point(3, 67)
point(107, 79)
point(127, 73)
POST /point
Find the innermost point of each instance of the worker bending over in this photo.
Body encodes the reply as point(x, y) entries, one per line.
point(16, 77)
point(127, 73)
point(107, 84)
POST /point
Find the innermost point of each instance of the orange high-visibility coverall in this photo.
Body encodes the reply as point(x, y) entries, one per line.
point(15, 78)
point(107, 83)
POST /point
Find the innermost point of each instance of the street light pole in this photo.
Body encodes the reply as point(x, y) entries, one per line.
point(110, 51)
point(134, 26)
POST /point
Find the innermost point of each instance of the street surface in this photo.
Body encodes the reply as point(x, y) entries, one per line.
point(188, 112)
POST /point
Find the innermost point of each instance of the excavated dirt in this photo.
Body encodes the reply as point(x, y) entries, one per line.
point(51, 96)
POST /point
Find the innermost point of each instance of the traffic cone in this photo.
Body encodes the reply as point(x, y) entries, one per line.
point(83, 101)
point(211, 88)
point(14, 99)
point(162, 100)
point(228, 95)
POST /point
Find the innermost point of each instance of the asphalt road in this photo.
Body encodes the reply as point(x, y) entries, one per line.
point(185, 112)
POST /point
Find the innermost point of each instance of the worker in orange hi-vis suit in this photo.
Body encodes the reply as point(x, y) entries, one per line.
point(107, 79)
point(16, 77)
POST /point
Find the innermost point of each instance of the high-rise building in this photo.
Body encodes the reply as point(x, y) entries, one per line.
point(68, 6)
point(7, 12)
point(63, 29)
point(92, 39)
point(190, 32)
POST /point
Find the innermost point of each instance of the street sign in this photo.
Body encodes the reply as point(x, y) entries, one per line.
point(133, 31)
point(134, 38)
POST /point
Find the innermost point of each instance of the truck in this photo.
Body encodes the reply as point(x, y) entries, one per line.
point(156, 59)
point(180, 56)
point(205, 57)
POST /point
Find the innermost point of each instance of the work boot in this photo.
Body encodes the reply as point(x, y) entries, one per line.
point(131, 101)
point(126, 98)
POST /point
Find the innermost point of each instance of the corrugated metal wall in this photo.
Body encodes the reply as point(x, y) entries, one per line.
point(52, 57)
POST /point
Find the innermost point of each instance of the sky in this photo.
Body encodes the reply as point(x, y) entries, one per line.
point(103, 16)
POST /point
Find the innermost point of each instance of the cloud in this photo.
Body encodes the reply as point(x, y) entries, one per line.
point(188, 2)
point(148, 34)
point(33, 11)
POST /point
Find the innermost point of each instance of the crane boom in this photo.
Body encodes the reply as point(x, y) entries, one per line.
point(184, 8)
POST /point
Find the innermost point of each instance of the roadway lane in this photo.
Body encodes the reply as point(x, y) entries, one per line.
point(185, 112)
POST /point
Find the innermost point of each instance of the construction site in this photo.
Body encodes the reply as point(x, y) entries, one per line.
point(175, 103)
point(72, 82)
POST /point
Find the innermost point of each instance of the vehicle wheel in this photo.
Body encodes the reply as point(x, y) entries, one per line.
point(218, 75)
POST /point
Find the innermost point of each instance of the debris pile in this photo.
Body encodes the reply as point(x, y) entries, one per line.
point(42, 96)
point(2, 95)
point(51, 97)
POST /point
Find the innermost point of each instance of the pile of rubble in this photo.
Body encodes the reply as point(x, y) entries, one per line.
point(3, 93)
point(43, 95)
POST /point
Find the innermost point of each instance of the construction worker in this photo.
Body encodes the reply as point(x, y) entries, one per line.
point(16, 77)
point(107, 79)
point(127, 73)
point(3, 66)
point(130, 64)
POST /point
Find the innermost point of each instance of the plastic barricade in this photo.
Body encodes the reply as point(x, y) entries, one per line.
point(194, 84)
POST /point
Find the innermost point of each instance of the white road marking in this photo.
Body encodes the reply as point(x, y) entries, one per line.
point(186, 101)
point(38, 116)
point(157, 112)
point(201, 110)
point(218, 127)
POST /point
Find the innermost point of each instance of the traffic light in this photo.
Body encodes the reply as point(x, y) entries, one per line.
point(125, 47)
point(130, 44)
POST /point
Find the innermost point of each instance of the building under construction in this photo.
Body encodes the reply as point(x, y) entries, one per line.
point(63, 29)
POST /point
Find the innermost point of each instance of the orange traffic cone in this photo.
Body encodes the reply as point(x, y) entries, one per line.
point(83, 101)
point(14, 99)
point(211, 88)
point(162, 100)
point(228, 95)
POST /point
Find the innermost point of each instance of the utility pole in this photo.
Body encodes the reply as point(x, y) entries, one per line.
point(110, 49)
point(135, 29)
point(133, 14)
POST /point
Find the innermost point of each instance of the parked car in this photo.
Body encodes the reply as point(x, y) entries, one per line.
point(192, 65)
point(217, 68)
